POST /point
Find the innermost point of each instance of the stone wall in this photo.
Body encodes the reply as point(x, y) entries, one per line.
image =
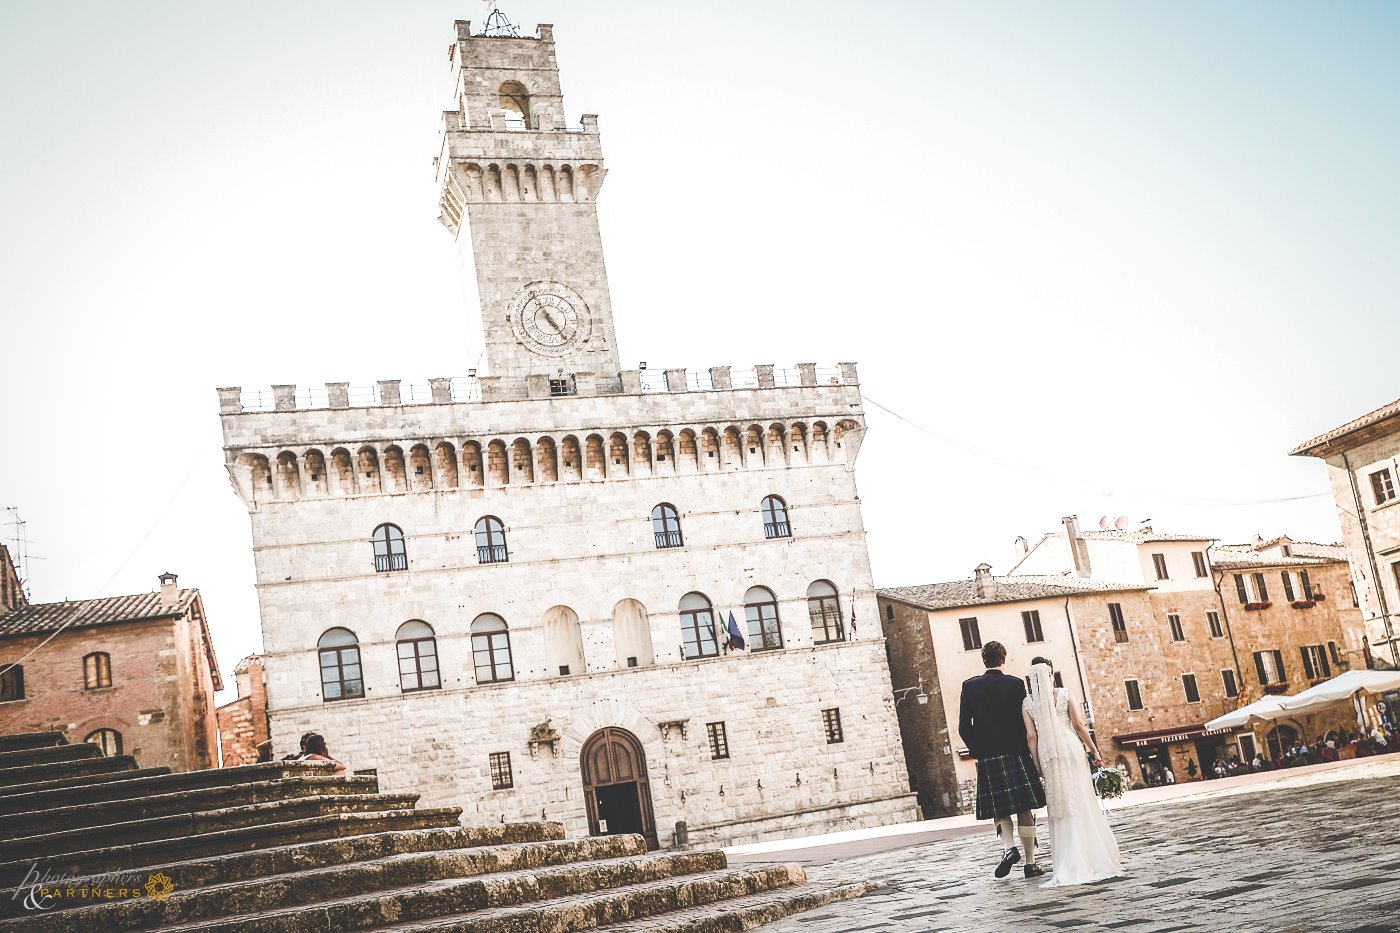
point(928, 735)
point(243, 726)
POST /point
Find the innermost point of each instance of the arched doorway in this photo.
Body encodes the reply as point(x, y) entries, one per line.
point(615, 785)
point(1281, 738)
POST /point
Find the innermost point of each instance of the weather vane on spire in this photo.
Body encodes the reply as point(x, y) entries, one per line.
point(497, 23)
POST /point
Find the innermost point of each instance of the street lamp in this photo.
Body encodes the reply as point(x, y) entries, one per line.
point(903, 693)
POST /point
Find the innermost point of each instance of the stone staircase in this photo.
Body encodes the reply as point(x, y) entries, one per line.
point(288, 846)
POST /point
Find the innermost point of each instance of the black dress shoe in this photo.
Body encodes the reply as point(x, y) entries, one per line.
point(1012, 856)
point(1033, 871)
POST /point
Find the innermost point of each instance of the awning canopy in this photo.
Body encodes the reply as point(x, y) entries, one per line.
point(1341, 689)
point(1168, 736)
point(1261, 710)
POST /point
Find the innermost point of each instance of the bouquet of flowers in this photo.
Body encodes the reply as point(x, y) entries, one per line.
point(1110, 782)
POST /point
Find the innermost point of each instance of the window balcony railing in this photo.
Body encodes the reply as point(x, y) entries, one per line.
point(668, 539)
point(776, 530)
point(492, 554)
point(384, 563)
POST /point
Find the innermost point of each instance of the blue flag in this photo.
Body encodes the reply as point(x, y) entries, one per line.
point(735, 640)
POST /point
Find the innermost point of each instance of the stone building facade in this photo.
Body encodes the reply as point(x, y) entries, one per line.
point(514, 592)
point(1363, 468)
point(244, 737)
point(1149, 630)
point(134, 674)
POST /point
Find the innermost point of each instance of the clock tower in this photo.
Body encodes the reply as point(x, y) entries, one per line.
point(518, 190)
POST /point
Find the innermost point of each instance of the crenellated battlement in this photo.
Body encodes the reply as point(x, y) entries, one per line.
point(394, 393)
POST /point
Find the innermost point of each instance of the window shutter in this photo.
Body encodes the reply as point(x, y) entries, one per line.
point(1259, 667)
point(1282, 673)
point(1307, 585)
point(1287, 586)
point(1307, 662)
point(1322, 658)
point(1263, 590)
point(1240, 588)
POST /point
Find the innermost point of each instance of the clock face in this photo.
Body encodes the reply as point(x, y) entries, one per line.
point(549, 318)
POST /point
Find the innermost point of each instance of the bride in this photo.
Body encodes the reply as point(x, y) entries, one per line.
point(1083, 846)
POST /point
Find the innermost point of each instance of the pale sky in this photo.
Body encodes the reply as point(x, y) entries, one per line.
point(1119, 257)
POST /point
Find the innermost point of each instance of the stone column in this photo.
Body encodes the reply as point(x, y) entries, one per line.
point(631, 382)
point(442, 390)
point(807, 373)
point(719, 377)
point(848, 374)
point(765, 375)
point(338, 394)
point(389, 392)
point(230, 400)
point(284, 398)
point(675, 381)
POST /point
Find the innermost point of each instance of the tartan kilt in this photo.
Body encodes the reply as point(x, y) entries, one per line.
point(1006, 785)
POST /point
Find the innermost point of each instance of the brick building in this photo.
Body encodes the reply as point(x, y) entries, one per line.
point(1363, 468)
point(134, 674)
point(243, 725)
point(1150, 630)
point(512, 592)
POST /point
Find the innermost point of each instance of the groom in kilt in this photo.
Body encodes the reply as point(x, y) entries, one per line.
point(1008, 781)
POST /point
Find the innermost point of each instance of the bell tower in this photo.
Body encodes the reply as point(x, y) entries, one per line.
point(517, 189)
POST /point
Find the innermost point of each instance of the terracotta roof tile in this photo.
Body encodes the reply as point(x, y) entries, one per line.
point(1356, 424)
point(959, 593)
point(47, 617)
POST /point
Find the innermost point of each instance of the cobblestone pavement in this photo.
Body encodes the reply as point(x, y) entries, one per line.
point(1301, 855)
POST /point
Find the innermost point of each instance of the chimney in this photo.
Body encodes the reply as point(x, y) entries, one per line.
point(169, 591)
point(1022, 548)
point(1077, 547)
point(986, 586)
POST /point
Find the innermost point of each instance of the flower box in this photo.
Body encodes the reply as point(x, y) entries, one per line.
point(1255, 607)
point(1303, 603)
point(1318, 597)
point(1277, 688)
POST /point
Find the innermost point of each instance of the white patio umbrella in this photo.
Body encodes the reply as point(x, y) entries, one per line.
point(1264, 709)
point(1341, 689)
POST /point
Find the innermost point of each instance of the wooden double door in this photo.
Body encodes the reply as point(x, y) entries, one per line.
point(615, 786)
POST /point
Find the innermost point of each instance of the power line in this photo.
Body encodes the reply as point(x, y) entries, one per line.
point(1066, 480)
point(149, 531)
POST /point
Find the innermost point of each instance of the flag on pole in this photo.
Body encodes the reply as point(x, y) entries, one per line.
point(852, 634)
point(735, 641)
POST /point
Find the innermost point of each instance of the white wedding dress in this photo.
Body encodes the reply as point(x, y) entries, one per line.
point(1081, 842)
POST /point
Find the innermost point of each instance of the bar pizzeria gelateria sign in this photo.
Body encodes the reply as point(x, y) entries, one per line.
point(1143, 739)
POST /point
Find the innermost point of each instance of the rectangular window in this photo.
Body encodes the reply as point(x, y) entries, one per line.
point(1178, 633)
point(1216, 629)
point(1315, 662)
point(1059, 681)
point(12, 684)
point(1198, 558)
point(831, 724)
point(1227, 678)
point(1120, 626)
point(1287, 585)
point(719, 741)
point(1031, 621)
point(97, 670)
point(1134, 694)
point(501, 777)
point(1269, 666)
point(1334, 653)
point(1382, 486)
point(1193, 693)
point(564, 385)
point(972, 639)
point(1241, 589)
point(1260, 588)
point(340, 674)
point(1159, 564)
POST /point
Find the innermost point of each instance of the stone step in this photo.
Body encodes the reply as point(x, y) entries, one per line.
point(640, 904)
point(513, 869)
point(182, 825)
point(744, 913)
point(21, 790)
point(22, 740)
point(161, 852)
point(148, 806)
point(499, 847)
point(574, 897)
point(48, 754)
point(29, 774)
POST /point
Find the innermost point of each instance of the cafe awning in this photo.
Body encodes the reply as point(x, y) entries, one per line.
point(1168, 736)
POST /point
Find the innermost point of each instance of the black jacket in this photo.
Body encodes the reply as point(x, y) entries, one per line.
point(989, 717)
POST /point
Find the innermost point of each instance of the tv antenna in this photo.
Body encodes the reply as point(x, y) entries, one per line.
point(497, 23)
point(21, 552)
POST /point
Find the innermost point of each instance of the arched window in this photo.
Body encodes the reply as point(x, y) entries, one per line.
point(491, 541)
point(515, 101)
point(761, 608)
point(11, 683)
point(824, 606)
point(666, 525)
point(418, 663)
point(563, 642)
point(341, 679)
point(491, 649)
point(389, 551)
point(109, 740)
point(775, 518)
point(697, 627)
point(97, 670)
